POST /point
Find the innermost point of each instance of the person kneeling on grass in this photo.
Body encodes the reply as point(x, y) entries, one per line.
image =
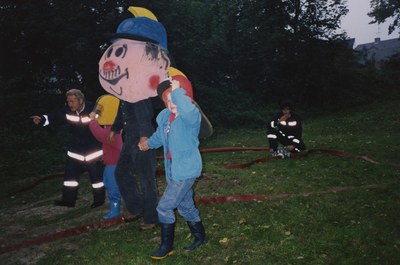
point(285, 128)
point(177, 131)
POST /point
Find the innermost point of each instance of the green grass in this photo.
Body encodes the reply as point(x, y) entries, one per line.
point(356, 226)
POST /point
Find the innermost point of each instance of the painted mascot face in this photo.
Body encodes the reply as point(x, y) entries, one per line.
point(131, 70)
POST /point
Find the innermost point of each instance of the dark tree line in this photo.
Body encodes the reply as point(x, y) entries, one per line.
point(240, 55)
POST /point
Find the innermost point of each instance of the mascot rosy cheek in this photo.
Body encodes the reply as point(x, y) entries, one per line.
point(137, 61)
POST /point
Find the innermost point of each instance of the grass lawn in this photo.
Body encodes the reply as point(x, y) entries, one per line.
point(357, 225)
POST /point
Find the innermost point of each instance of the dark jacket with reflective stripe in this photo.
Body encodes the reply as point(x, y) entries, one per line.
point(292, 126)
point(82, 141)
point(135, 119)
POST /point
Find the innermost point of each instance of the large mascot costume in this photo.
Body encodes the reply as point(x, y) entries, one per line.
point(131, 69)
point(104, 115)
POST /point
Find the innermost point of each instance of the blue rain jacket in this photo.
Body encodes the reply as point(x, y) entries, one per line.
point(182, 139)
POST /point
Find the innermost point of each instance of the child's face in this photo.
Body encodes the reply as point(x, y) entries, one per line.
point(171, 105)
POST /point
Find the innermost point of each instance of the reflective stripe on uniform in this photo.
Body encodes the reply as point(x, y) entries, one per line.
point(292, 123)
point(283, 123)
point(94, 155)
point(47, 120)
point(74, 118)
point(98, 185)
point(76, 156)
point(297, 141)
point(85, 158)
point(272, 136)
point(85, 119)
point(71, 183)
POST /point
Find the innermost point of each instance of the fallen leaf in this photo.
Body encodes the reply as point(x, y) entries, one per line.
point(224, 241)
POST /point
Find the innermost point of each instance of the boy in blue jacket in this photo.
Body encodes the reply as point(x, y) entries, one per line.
point(177, 131)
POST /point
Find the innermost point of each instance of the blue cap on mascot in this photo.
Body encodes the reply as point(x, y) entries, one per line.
point(142, 29)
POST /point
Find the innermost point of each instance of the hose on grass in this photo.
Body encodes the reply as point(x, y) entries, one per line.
point(221, 199)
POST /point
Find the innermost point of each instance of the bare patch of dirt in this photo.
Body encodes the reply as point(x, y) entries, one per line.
point(33, 221)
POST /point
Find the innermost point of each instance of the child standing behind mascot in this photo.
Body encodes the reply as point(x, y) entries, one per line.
point(106, 109)
point(178, 130)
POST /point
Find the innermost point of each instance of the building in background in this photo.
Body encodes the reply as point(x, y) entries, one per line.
point(377, 51)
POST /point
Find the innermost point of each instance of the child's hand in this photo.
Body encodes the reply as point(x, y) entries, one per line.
point(92, 115)
point(143, 144)
point(110, 137)
point(175, 84)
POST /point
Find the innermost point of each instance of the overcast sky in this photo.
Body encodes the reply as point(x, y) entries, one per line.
point(356, 24)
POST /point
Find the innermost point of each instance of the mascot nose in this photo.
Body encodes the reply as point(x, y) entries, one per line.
point(108, 66)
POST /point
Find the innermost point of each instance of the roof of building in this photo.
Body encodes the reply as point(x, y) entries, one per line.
point(380, 49)
point(351, 42)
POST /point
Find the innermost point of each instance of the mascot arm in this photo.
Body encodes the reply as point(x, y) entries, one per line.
point(118, 122)
point(144, 114)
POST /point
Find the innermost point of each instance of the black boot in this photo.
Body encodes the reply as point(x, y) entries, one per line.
point(64, 203)
point(167, 242)
point(197, 229)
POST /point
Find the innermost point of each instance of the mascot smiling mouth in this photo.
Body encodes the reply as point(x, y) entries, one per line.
point(109, 76)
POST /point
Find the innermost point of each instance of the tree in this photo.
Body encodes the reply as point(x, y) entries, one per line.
point(383, 9)
point(53, 45)
point(239, 55)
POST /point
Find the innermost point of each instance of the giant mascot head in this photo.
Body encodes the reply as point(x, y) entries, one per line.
point(137, 61)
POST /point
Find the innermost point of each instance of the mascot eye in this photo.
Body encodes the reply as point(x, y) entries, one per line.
point(109, 52)
point(119, 51)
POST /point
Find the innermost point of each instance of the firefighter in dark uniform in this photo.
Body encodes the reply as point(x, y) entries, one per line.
point(84, 149)
point(285, 128)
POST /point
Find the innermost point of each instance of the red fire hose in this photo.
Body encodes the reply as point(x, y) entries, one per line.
point(230, 149)
point(120, 219)
point(220, 199)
